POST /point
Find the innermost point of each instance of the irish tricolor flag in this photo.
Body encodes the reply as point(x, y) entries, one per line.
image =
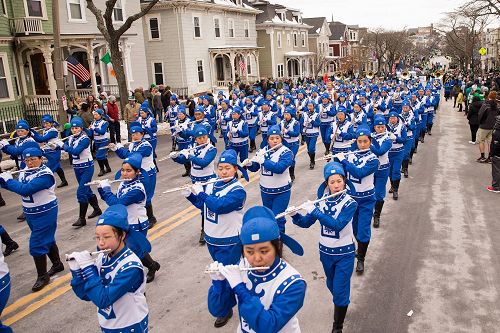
point(107, 60)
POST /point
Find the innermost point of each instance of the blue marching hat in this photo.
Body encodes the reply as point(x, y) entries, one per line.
point(77, 122)
point(237, 110)
point(259, 225)
point(117, 216)
point(199, 130)
point(181, 109)
point(22, 124)
point(393, 114)
point(379, 120)
point(229, 156)
point(332, 168)
point(363, 130)
point(136, 128)
point(274, 130)
point(99, 111)
point(342, 109)
point(47, 118)
point(200, 109)
point(32, 152)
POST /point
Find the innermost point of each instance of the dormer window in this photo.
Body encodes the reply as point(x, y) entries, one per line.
point(239, 2)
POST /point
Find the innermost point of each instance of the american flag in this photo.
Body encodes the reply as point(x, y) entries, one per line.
point(242, 66)
point(77, 69)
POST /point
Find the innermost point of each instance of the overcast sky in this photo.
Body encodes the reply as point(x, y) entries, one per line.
point(388, 14)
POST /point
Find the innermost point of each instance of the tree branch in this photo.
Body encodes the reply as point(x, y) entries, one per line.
point(100, 20)
point(135, 17)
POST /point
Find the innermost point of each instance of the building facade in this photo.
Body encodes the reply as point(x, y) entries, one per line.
point(319, 37)
point(201, 45)
point(491, 42)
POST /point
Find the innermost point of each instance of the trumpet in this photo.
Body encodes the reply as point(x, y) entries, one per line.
point(93, 254)
point(187, 186)
point(97, 182)
point(330, 156)
point(293, 209)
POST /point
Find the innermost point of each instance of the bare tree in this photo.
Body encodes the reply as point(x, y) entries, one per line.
point(320, 62)
point(376, 41)
point(112, 36)
point(482, 7)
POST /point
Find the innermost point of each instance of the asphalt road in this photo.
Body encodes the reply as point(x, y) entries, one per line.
point(433, 254)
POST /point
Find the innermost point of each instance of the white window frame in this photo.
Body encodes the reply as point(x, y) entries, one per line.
point(278, 40)
point(44, 10)
point(6, 13)
point(246, 28)
point(288, 40)
point(124, 17)
point(194, 27)
point(158, 18)
point(154, 72)
point(198, 71)
point(230, 24)
point(221, 29)
point(8, 78)
point(304, 38)
point(83, 8)
point(282, 70)
point(295, 39)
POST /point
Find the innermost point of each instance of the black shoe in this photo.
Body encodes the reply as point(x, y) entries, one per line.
point(10, 247)
point(360, 266)
point(395, 195)
point(56, 268)
point(2, 201)
point(57, 265)
point(95, 205)
point(21, 217)
point(391, 190)
point(405, 173)
point(187, 173)
point(422, 139)
point(291, 170)
point(41, 270)
point(101, 168)
point(201, 241)
point(152, 271)
point(151, 217)
point(311, 166)
point(61, 175)
point(376, 221)
point(251, 150)
point(221, 321)
point(339, 313)
point(396, 189)
point(101, 173)
point(80, 222)
point(107, 168)
point(63, 184)
point(41, 282)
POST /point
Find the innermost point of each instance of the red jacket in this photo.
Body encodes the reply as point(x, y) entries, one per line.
point(113, 111)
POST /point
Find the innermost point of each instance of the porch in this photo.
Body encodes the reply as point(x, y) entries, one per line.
point(299, 64)
point(229, 64)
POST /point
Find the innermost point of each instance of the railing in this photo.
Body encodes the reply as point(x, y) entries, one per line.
point(181, 93)
point(111, 89)
point(26, 26)
point(41, 100)
point(224, 84)
point(30, 111)
point(82, 93)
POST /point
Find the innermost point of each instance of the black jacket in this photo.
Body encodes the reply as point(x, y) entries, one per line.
point(473, 114)
point(487, 114)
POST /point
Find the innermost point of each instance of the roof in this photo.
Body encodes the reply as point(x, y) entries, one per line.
point(337, 29)
point(316, 24)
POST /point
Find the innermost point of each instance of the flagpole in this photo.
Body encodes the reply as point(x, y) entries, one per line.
point(58, 70)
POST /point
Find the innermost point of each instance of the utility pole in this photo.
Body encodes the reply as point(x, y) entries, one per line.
point(58, 70)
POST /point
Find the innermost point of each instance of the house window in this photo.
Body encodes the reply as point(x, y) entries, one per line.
point(295, 38)
point(281, 70)
point(76, 10)
point(118, 11)
point(288, 40)
point(303, 39)
point(249, 65)
point(154, 28)
point(158, 72)
point(201, 76)
point(279, 39)
point(246, 24)
point(217, 27)
point(197, 27)
point(230, 26)
point(34, 8)
point(5, 84)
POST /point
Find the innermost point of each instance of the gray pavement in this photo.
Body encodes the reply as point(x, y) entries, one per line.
point(433, 254)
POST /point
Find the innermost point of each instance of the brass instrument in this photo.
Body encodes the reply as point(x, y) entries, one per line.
point(370, 75)
point(339, 76)
point(405, 75)
point(437, 74)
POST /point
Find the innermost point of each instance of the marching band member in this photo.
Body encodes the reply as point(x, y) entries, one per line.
point(78, 146)
point(201, 120)
point(210, 113)
point(290, 128)
point(224, 118)
point(408, 119)
point(361, 167)
point(36, 188)
point(423, 114)
point(132, 194)
point(396, 152)
point(222, 203)
point(52, 152)
point(148, 123)
point(238, 133)
point(301, 107)
point(99, 130)
point(266, 120)
point(341, 133)
point(430, 107)
point(327, 112)
point(200, 158)
point(311, 125)
point(141, 146)
point(336, 242)
point(416, 107)
point(343, 102)
point(358, 117)
point(287, 103)
point(275, 182)
point(4, 291)
point(381, 144)
point(171, 116)
point(182, 135)
point(251, 114)
point(114, 282)
point(268, 300)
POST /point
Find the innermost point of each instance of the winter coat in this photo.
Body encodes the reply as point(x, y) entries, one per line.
point(487, 114)
point(473, 114)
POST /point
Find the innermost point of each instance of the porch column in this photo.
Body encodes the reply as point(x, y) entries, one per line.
point(90, 60)
point(246, 69)
point(47, 56)
point(213, 79)
point(301, 69)
point(22, 73)
point(257, 63)
point(233, 70)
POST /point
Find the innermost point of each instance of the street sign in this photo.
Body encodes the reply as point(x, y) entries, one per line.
point(482, 51)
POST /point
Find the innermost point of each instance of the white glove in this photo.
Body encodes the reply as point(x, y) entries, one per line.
point(6, 176)
point(73, 265)
point(392, 136)
point(340, 156)
point(216, 276)
point(258, 159)
point(112, 147)
point(173, 154)
point(104, 183)
point(291, 211)
point(234, 130)
point(52, 145)
point(84, 259)
point(186, 191)
point(184, 153)
point(59, 143)
point(118, 146)
point(246, 162)
point(233, 274)
point(4, 143)
point(308, 206)
point(196, 188)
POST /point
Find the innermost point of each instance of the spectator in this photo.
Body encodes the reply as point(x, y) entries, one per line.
point(103, 101)
point(139, 95)
point(114, 120)
point(456, 90)
point(165, 97)
point(131, 113)
point(460, 99)
point(495, 158)
point(86, 114)
point(72, 110)
point(157, 104)
point(191, 104)
point(487, 114)
point(473, 117)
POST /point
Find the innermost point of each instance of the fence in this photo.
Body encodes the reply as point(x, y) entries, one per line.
point(31, 112)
